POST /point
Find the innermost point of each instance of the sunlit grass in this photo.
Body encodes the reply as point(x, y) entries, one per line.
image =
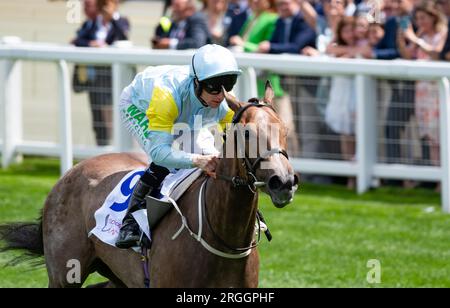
point(324, 239)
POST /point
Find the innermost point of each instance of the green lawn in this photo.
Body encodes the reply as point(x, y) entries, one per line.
point(324, 239)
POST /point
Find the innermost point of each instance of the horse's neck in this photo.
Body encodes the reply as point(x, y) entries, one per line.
point(231, 210)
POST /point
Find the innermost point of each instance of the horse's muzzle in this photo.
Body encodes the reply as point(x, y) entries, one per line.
point(282, 189)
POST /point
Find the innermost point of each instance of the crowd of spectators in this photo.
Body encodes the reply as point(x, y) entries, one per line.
point(371, 29)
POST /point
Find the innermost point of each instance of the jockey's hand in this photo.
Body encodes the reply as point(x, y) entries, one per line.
point(207, 163)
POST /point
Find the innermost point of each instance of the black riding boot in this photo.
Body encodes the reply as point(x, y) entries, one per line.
point(130, 234)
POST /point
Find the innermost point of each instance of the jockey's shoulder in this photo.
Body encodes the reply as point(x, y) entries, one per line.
point(166, 72)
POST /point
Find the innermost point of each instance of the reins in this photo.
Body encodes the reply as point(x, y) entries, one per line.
point(237, 181)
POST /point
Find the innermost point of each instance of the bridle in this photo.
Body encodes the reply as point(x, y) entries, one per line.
point(251, 180)
point(237, 181)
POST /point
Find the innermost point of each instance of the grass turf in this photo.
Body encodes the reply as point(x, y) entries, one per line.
point(324, 239)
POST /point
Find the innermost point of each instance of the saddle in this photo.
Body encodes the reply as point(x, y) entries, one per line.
point(159, 206)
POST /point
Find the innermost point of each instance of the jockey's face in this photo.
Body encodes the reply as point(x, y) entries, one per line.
point(212, 100)
point(212, 89)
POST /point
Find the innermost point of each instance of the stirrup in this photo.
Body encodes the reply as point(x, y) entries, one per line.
point(128, 242)
point(129, 234)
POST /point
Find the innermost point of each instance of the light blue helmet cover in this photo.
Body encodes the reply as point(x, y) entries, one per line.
point(213, 61)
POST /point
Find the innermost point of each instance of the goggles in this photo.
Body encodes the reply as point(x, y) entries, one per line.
point(214, 85)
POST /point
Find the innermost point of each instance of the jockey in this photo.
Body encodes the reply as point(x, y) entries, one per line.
point(159, 98)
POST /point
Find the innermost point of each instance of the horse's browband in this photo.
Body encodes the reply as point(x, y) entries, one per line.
point(237, 117)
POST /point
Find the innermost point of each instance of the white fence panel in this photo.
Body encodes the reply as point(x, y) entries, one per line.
point(123, 61)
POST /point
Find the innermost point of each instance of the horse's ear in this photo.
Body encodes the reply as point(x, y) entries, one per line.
point(232, 101)
point(269, 94)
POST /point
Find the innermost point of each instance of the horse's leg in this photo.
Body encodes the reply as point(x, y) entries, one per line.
point(101, 268)
point(68, 216)
point(68, 268)
point(122, 263)
point(101, 285)
point(69, 253)
point(66, 252)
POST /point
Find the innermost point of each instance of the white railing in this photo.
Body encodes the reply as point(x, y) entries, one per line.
point(365, 168)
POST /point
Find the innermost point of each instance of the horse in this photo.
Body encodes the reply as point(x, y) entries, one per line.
point(227, 224)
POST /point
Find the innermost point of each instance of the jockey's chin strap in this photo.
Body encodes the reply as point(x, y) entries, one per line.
point(241, 252)
point(251, 180)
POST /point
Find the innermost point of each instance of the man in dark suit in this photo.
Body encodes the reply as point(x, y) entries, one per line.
point(387, 47)
point(187, 29)
point(235, 7)
point(103, 27)
point(291, 33)
point(237, 22)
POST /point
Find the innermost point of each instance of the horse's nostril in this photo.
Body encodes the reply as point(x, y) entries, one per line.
point(296, 179)
point(275, 183)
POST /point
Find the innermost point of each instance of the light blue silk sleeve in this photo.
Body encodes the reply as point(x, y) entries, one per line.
point(162, 153)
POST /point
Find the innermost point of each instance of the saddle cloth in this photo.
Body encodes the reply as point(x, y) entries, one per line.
point(108, 218)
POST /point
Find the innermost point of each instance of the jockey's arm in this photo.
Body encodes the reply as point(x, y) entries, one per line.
point(163, 154)
point(162, 114)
